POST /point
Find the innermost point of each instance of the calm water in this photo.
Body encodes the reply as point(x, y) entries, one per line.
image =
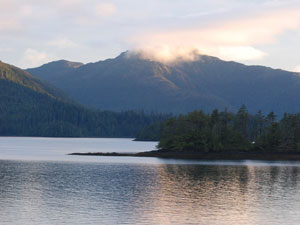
point(39, 184)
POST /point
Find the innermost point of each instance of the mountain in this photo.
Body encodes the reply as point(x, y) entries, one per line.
point(130, 81)
point(30, 107)
point(15, 76)
point(61, 68)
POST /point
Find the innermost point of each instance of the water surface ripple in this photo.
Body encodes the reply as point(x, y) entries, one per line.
point(147, 191)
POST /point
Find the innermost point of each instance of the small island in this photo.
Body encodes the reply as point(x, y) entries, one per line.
point(223, 136)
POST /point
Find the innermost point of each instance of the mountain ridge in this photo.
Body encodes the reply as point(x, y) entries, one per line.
point(130, 81)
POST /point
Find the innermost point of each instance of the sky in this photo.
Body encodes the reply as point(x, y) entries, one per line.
point(256, 32)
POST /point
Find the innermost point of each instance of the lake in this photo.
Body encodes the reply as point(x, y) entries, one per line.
point(40, 184)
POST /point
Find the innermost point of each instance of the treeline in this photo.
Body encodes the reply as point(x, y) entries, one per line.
point(25, 112)
point(230, 132)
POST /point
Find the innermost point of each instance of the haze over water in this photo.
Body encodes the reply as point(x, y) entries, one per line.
point(125, 190)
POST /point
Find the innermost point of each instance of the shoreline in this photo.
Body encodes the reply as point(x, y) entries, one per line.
point(202, 156)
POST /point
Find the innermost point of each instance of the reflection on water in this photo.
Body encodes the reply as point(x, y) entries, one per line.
point(232, 194)
point(108, 193)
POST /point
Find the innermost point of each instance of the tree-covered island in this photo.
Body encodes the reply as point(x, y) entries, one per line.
point(231, 132)
point(225, 135)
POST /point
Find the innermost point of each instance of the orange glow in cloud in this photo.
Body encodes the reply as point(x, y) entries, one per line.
point(297, 69)
point(230, 40)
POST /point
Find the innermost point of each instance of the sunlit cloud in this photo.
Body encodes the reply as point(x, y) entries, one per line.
point(167, 54)
point(253, 32)
point(231, 40)
point(297, 69)
point(244, 53)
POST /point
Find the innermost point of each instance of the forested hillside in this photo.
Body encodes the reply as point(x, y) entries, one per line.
point(29, 107)
point(24, 79)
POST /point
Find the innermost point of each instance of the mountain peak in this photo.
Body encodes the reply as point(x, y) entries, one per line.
point(169, 57)
point(61, 64)
point(64, 63)
point(133, 55)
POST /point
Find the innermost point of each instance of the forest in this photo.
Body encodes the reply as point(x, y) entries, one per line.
point(228, 132)
point(25, 112)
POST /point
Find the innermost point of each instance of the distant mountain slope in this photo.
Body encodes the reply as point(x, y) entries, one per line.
point(132, 82)
point(18, 76)
point(29, 107)
point(60, 68)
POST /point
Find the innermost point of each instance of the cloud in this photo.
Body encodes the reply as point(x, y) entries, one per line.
point(244, 53)
point(204, 13)
point(6, 50)
point(8, 5)
point(167, 54)
point(10, 26)
point(67, 5)
point(33, 58)
point(106, 9)
point(26, 10)
point(231, 29)
point(234, 39)
point(62, 43)
point(297, 69)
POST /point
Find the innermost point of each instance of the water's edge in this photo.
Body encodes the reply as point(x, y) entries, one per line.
point(202, 156)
